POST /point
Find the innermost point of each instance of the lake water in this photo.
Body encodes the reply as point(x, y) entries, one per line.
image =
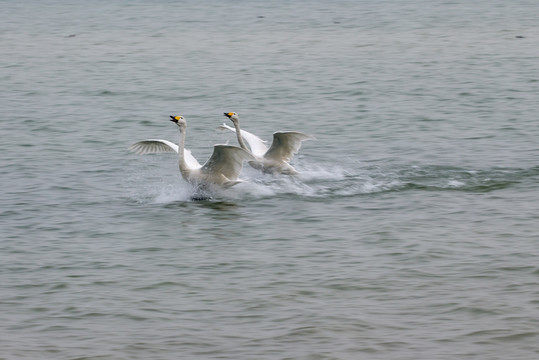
point(411, 233)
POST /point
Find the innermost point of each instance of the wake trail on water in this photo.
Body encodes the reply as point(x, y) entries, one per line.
point(326, 181)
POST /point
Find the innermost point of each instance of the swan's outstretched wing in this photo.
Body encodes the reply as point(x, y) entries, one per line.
point(257, 145)
point(227, 160)
point(154, 146)
point(285, 145)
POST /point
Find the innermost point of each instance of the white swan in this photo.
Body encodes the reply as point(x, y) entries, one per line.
point(223, 167)
point(276, 158)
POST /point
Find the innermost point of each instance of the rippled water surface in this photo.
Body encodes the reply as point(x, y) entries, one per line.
point(411, 233)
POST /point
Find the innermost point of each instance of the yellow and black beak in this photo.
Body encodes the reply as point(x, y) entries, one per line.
point(174, 118)
point(229, 115)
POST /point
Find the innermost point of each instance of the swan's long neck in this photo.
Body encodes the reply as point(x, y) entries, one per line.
point(238, 134)
point(181, 143)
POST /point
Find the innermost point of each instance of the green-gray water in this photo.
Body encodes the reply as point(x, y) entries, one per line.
point(411, 233)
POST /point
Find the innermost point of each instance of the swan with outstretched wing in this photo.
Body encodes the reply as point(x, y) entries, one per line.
point(274, 159)
point(222, 168)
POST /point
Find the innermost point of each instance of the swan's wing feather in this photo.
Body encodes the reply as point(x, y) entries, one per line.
point(190, 160)
point(257, 145)
point(227, 160)
point(153, 146)
point(285, 145)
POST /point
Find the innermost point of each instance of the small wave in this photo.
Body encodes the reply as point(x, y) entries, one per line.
point(106, 93)
point(455, 184)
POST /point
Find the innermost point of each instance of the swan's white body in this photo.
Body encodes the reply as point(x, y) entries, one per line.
point(222, 168)
point(275, 159)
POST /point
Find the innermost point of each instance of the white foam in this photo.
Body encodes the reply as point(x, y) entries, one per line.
point(455, 183)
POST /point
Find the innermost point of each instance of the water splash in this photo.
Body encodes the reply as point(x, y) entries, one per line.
point(322, 182)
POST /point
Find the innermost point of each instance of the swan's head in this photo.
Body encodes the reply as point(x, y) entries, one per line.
point(178, 120)
point(232, 116)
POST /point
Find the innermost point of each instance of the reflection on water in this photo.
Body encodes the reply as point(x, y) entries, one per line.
point(219, 205)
